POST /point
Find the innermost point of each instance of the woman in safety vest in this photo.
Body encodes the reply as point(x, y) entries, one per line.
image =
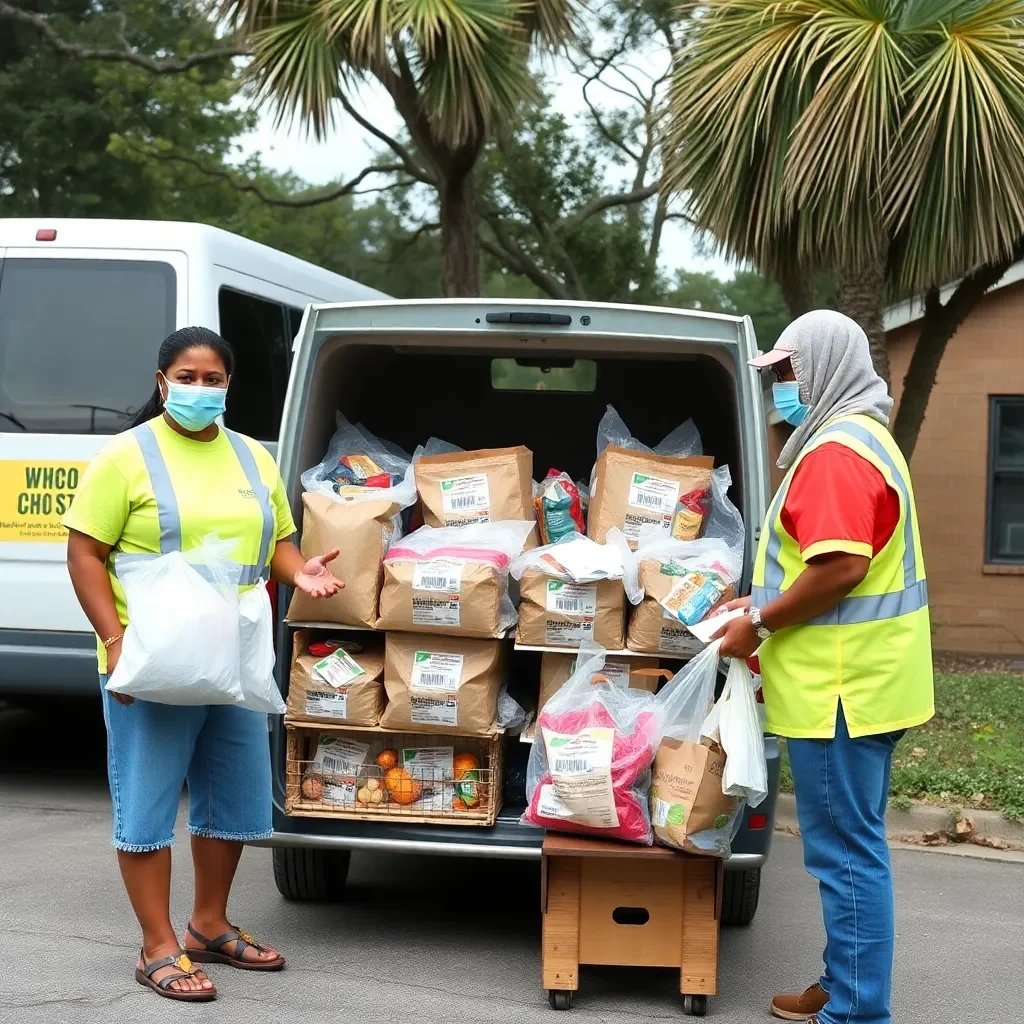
point(839, 617)
point(162, 486)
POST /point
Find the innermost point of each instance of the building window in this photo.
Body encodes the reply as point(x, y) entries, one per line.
point(1005, 542)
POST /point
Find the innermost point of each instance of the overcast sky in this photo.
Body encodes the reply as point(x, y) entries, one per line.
point(350, 149)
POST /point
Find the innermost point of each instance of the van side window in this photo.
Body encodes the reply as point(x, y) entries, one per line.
point(259, 332)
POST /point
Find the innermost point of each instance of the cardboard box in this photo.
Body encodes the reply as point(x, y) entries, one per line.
point(616, 904)
point(633, 490)
point(686, 792)
point(553, 613)
point(457, 599)
point(311, 699)
point(361, 531)
point(442, 684)
point(637, 673)
point(486, 486)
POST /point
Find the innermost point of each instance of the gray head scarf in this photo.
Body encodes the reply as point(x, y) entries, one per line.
point(832, 363)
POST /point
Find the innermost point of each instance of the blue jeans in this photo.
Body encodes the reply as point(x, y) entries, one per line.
point(152, 749)
point(842, 788)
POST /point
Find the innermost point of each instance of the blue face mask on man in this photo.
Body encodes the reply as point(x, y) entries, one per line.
point(786, 395)
point(194, 406)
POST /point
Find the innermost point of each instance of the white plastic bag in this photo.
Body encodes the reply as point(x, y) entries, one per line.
point(355, 440)
point(735, 724)
point(681, 443)
point(724, 521)
point(574, 558)
point(181, 645)
point(256, 635)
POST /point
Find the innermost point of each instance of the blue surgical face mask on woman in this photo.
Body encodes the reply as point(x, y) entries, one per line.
point(194, 406)
point(786, 395)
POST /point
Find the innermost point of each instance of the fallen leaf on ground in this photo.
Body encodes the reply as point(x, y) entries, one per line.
point(964, 831)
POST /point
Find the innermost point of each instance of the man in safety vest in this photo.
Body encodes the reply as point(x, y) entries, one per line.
point(839, 617)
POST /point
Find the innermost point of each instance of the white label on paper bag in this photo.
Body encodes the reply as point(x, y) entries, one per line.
point(341, 757)
point(434, 710)
point(343, 793)
point(616, 671)
point(436, 671)
point(581, 773)
point(653, 494)
point(467, 495)
point(551, 805)
point(338, 669)
point(572, 598)
point(678, 640)
point(433, 768)
point(660, 810)
point(327, 705)
point(441, 575)
point(437, 610)
point(567, 632)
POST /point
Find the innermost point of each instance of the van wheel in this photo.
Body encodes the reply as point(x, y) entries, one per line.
point(740, 896)
point(304, 874)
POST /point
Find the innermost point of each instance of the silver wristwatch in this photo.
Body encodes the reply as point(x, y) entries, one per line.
point(762, 631)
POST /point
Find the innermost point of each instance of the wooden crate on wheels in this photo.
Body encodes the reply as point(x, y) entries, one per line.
point(613, 904)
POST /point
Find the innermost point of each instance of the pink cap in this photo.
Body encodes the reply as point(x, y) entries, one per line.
point(771, 357)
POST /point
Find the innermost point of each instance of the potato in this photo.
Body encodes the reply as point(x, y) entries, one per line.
point(376, 796)
point(363, 796)
point(373, 784)
point(313, 789)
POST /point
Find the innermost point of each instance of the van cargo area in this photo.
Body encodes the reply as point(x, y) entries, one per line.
point(414, 370)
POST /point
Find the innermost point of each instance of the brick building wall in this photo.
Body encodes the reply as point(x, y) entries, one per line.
point(974, 607)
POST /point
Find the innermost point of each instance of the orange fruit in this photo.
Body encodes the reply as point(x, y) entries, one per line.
point(401, 786)
point(387, 758)
point(465, 763)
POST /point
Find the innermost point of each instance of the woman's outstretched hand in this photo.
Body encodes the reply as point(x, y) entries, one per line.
point(315, 579)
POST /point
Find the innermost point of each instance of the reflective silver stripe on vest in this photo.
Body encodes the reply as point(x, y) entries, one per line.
point(167, 503)
point(852, 610)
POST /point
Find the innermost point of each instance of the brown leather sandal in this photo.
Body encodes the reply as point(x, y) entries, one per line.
point(184, 968)
point(212, 953)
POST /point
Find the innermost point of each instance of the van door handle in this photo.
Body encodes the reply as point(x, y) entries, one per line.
point(524, 317)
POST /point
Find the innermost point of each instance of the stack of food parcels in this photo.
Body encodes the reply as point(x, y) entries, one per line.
point(444, 554)
point(622, 763)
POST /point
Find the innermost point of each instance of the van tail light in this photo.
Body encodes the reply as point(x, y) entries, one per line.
point(757, 822)
point(46, 235)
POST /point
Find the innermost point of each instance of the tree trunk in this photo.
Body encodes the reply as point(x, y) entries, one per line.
point(939, 325)
point(797, 289)
point(862, 298)
point(460, 250)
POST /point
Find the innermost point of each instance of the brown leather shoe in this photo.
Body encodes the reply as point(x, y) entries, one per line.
point(802, 1006)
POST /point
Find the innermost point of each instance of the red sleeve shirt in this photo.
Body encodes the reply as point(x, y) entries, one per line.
point(839, 502)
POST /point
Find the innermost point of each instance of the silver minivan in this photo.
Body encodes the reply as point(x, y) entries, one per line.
point(484, 373)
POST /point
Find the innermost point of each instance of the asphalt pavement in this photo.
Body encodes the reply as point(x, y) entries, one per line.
point(428, 939)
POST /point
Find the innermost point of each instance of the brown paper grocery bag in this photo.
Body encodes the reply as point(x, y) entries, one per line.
point(312, 699)
point(441, 683)
point(636, 673)
point(686, 792)
point(633, 490)
point(361, 531)
point(467, 602)
point(650, 630)
point(554, 613)
point(486, 486)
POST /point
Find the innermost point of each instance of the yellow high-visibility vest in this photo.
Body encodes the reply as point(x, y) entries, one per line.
point(873, 650)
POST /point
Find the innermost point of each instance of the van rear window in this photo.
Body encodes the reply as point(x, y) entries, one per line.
point(557, 375)
point(78, 341)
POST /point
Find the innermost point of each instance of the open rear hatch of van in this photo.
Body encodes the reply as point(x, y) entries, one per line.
point(492, 374)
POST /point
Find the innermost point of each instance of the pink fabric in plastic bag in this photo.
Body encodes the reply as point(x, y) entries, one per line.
point(632, 756)
point(496, 558)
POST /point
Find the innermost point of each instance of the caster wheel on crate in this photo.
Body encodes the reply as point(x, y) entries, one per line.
point(561, 1000)
point(695, 1006)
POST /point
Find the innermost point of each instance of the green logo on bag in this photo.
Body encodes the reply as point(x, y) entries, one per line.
point(721, 821)
point(422, 656)
point(639, 478)
point(447, 485)
point(676, 814)
point(559, 741)
point(554, 585)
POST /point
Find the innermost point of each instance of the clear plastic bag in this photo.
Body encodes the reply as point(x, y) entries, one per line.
point(256, 641)
point(558, 505)
point(689, 811)
point(680, 443)
point(575, 558)
point(590, 764)
point(724, 521)
point(735, 724)
point(511, 714)
point(704, 570)
point(450, 547)
point(181, 645)
point(360, 467)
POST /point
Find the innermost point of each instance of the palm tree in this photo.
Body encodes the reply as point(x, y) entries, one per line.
point(455, 69)
point(882, 140)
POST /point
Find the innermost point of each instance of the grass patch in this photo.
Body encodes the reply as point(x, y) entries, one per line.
point(971, 754)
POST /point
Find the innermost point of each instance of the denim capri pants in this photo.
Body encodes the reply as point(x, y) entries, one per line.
point(223, 752)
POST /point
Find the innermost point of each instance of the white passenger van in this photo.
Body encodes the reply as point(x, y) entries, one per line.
point(84, 305)
point(483, 373)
